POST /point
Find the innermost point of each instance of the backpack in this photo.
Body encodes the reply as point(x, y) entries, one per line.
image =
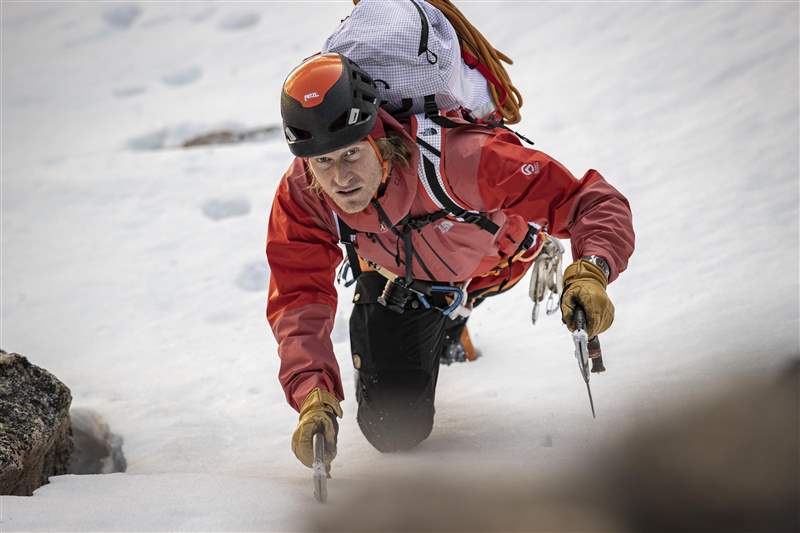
point(420, 63)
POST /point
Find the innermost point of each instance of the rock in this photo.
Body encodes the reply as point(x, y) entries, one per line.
point(232, 137)
point(97, 449)
point(725, 460)
point(35, 438)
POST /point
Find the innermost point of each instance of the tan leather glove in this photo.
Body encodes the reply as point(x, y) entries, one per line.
point(318, 413)
point(585, 286)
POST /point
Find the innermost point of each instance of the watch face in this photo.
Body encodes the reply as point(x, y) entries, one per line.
point(599, 262)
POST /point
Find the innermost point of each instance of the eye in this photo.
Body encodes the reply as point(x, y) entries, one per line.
point(322, 160)
point(351, 154)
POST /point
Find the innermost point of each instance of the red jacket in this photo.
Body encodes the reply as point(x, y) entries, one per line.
point(485, 170)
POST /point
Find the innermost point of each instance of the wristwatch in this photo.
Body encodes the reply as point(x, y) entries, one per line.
point(599, 262)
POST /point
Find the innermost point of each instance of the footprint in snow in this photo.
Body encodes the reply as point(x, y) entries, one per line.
point(200, 16)
point(239, 21)
point(127, 92)
point(220, 209)
point(150, 141)
point(156, 22)
point(253, 277)
point(183, 76)
point(122, 15)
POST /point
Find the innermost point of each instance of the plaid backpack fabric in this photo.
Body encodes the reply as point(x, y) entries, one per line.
point(411, 51)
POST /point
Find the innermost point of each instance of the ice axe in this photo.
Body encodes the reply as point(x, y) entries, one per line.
point(320, 472)
point(585, 349)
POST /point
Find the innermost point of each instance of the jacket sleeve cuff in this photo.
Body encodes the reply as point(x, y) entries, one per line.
point(609, 259)
point(304, 383)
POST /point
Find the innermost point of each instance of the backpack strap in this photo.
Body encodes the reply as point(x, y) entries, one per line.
point(431, 176)
point(348, 237)
point(432, 113)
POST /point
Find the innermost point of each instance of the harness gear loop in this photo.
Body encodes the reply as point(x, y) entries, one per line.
point(422, 290)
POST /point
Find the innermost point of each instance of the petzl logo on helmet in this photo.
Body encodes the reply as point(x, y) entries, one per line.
point(309, 96)
point(530, 168)
point(353, 116)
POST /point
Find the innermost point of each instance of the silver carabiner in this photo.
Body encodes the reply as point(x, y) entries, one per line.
point(547, 279)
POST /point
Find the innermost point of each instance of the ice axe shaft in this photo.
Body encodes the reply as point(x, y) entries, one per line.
point(586, 349)
point(320, 472)
point(593, 345)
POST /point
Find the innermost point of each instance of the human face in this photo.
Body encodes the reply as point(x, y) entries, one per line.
point(350, 176)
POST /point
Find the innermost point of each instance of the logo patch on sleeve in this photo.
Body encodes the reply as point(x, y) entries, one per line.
point(530, 168)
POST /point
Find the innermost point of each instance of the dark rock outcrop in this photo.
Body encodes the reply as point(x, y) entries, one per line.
point(35, 438)
point(233, 137)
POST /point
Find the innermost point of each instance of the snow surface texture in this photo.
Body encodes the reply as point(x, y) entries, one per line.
point(137, 276)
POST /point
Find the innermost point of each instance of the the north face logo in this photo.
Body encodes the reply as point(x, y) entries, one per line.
point(530, 168)
point(444, 226)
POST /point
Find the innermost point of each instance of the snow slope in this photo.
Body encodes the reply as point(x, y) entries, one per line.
point(134, 270)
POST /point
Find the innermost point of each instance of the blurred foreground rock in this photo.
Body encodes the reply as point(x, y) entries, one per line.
point(726, 461)
point(97, 450)
point(34, 426)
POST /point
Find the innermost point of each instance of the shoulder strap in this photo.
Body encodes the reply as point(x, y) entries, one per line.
point(432, 114)
point(347, 236)
point(429, 139)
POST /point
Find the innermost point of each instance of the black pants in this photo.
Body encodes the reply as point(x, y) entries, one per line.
point(396, 357)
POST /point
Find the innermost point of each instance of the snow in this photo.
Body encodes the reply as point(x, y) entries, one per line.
point(134, 270)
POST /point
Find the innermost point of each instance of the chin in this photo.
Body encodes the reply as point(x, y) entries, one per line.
point(353, 206)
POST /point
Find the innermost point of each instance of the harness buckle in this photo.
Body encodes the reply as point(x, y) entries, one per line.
point(471, 216)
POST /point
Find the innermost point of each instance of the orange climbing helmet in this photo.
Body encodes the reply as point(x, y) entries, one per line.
point(327, 102)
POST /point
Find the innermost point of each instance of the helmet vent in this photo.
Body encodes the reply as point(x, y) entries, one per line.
point(296, 134)
point(340, 122)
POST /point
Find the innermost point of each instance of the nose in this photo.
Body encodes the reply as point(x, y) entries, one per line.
point(342, 175)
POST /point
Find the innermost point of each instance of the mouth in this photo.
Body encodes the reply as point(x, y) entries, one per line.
point(346, 193)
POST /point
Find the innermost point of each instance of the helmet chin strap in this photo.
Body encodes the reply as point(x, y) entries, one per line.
point(384, 168)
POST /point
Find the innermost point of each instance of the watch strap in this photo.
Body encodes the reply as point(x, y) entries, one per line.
point(599, 262)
